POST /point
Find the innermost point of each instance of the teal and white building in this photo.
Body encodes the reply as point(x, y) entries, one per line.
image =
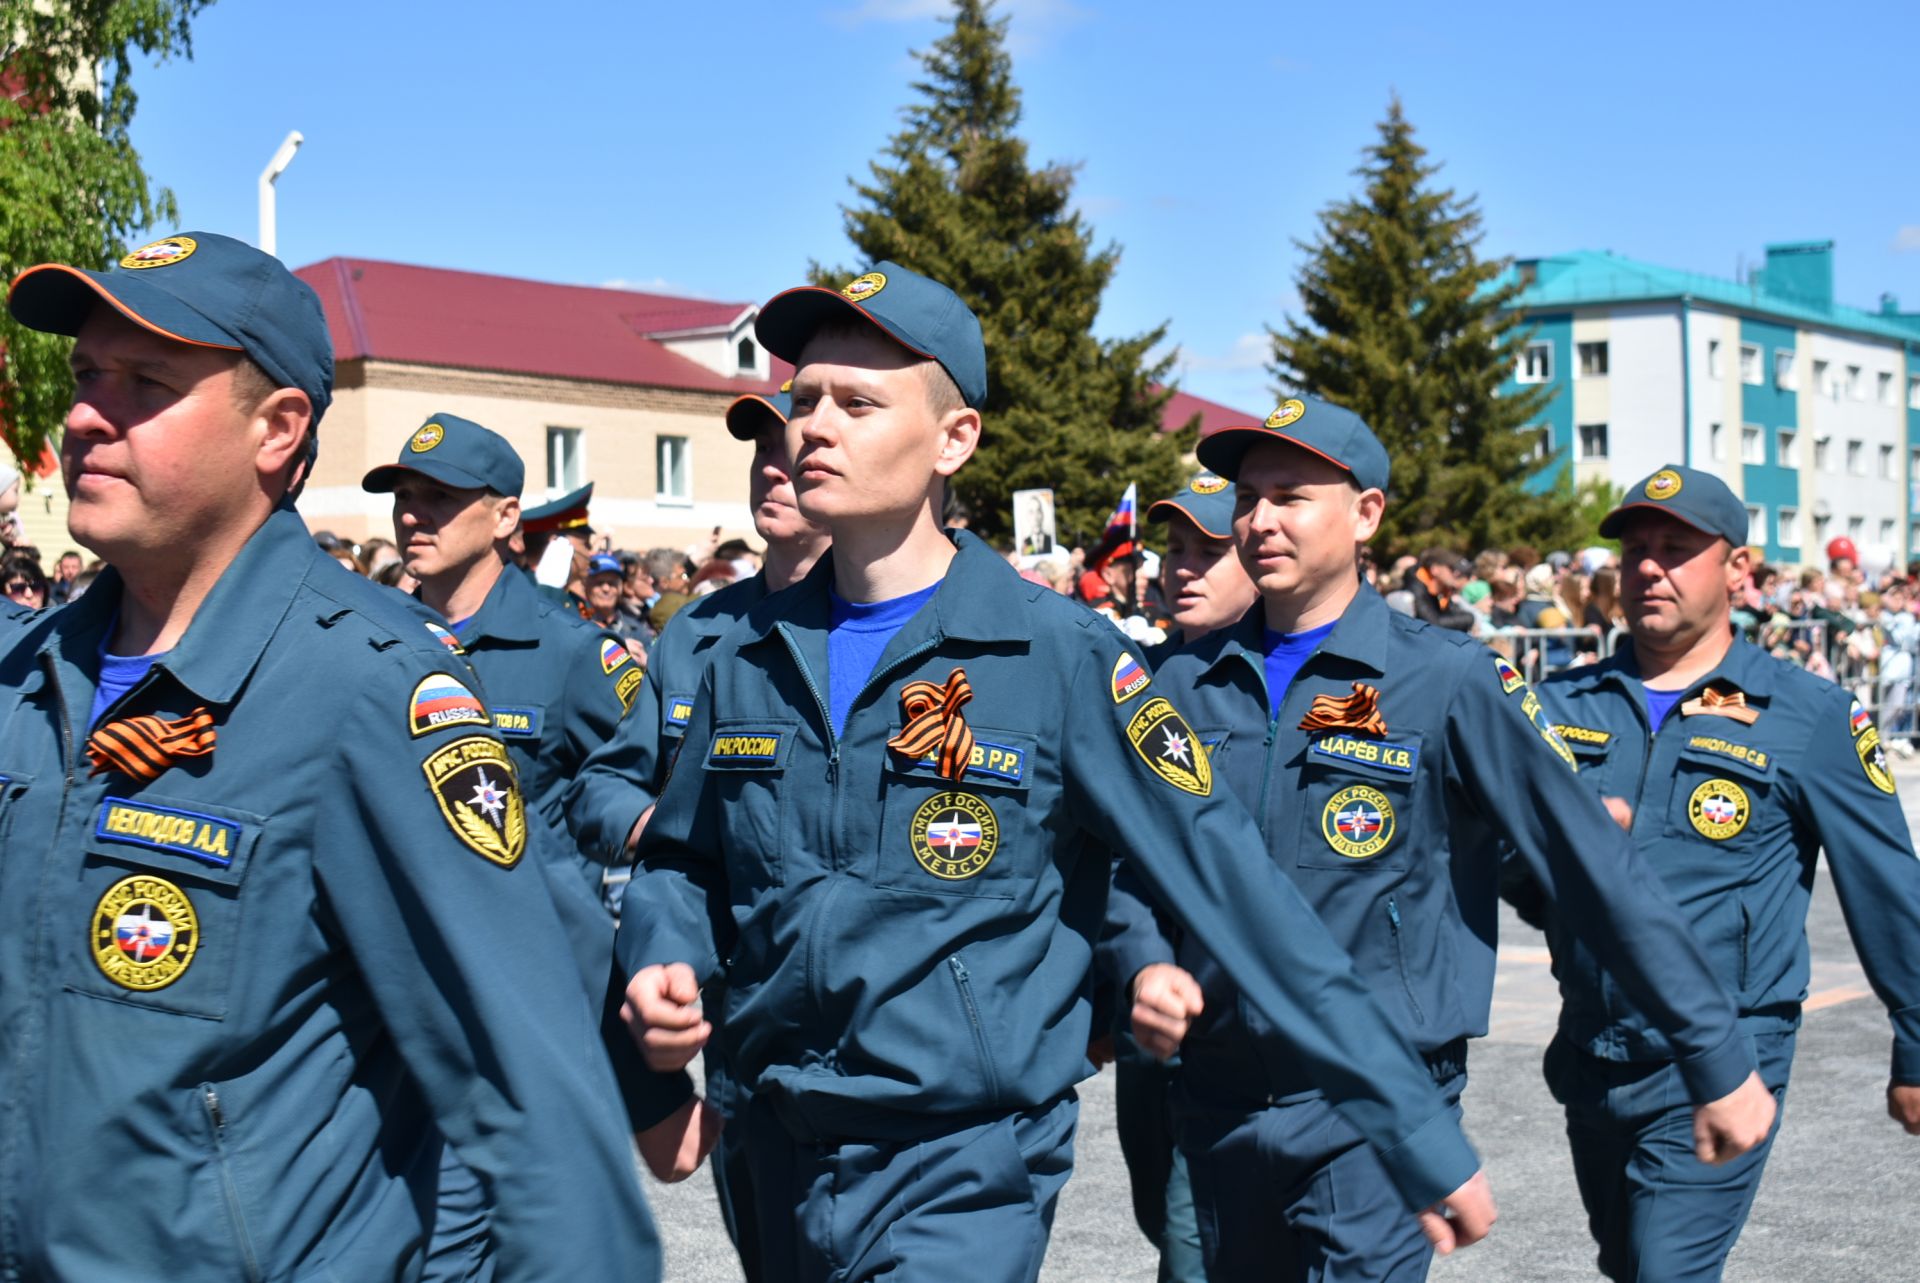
point(1808, 408)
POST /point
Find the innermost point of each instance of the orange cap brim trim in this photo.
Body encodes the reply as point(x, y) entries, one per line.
point(120, 307)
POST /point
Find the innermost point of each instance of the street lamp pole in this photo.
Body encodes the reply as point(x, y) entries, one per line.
point(275, 167)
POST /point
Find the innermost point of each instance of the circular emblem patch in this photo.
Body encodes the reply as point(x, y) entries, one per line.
point(161, 253)
point(1289, 410)
point(1718, 809)
point(1873, 758)
point(429, 436)
point(145, 933)
point(1358, 822)
point(862, 288)
point(954, 835)
point(1664, 484)
point(1207, 483)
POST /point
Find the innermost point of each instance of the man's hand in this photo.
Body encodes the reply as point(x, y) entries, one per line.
point(663, 1013)
point(1903, 1106)
point(1165, 1002)
point(1726, 1128)
point(1462, 1218)
point(639, 827)
point(674, 1147)
point(1621, 812)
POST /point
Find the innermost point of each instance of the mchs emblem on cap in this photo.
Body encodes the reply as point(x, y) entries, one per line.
point(1289, 411)
point(161, 253)
point(862, 288)
point(1207, 483)
point(429, 436)
point(1664, 484)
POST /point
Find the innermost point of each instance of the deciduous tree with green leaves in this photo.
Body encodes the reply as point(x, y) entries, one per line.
point(72, 188)
point(1405, 325)
point(954, 198)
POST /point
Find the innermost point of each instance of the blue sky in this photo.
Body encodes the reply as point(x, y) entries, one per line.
point(706, 148)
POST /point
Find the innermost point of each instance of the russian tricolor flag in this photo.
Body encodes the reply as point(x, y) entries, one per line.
point(1122, 534)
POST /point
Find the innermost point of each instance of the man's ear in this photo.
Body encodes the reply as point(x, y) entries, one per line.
point(959, 438)
point(506, 518)
point(1368, 507)
point(283, 418)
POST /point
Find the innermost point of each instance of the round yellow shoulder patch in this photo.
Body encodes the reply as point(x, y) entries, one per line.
point(1718, 809)
point(145, 933)
point(1664, 484)
point(1288, 411)
point(1207, 483)
point(862, 288)
point(429, 436)
point(954, 835)
point(1358, 822)
point(162, 253)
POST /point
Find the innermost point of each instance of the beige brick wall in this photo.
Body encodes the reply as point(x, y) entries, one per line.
point(378, 404)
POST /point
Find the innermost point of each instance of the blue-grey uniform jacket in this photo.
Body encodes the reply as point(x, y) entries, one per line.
point(1392, 835)
point(906, 952)
point(1730, 813)
point(240, 1004)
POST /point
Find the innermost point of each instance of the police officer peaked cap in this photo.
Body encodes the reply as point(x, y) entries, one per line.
point(455, 452)
point(1333, 432)
point(1700, 499)
point(568, 513)
point(921, 315)
point(199, 288)
point(1206, 501)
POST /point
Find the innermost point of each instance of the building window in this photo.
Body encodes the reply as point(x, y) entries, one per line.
point(1716, 442)
point(1593, 441)
point(1913, 392)
point(1713, 358)
point(1787, 442)
point(1856, 384)
point(1856, 528)
point(1856, 459)
point(1593, 360)
point(673, 483)
point(1752, 448)
point(1886, 463)
point(1822, 456)
point(1820, 523)
point(1823, 381)
point(1783, 375)
point(749, 355)
point(1756, 521)
point(1886, 530)
point(1540, 443)
point(1536, 364)
point(1750, 364)
point(1884, 388)
point(563, 459)
point(1786, 527)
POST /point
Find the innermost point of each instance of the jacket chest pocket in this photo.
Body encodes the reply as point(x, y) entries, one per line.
point(747, 765)
point(159, 919)
point(1592, 751)
point(1357, 795)
point(13, 784)
point(968, 837)
point(1721, 786)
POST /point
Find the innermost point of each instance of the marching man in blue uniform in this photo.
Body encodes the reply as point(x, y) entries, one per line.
point(557, 688)
point(1383, 759)
point(886, 829)
point(256, 830)
point(645, 745)
point(1731, 771)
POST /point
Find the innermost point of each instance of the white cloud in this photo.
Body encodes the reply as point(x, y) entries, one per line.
point(1907, 239)
point(1249, 352)
point(657, 285)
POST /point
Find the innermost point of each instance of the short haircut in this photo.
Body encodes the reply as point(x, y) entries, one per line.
point(1438, 557)
point(665, 563)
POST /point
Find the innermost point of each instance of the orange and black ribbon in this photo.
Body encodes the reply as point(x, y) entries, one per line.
point(934, 724)
point(1713, 703)
point(1359, 711)
point(142, 747)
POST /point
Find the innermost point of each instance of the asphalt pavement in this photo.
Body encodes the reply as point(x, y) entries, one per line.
point(1838, 1204)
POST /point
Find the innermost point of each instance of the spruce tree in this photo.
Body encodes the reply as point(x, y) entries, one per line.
point(954, 198)
point(1405, 326)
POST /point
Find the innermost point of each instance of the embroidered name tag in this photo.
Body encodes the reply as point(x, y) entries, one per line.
point(679, 711)
point(516, 721)
point(998, 761)
point(746, 750)
point(1583, 735)
point(1758, 759)
point(206, 838)
point(1397, 758)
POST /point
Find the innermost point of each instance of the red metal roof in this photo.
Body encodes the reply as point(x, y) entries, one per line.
point(469, 320)
point(1213, 415)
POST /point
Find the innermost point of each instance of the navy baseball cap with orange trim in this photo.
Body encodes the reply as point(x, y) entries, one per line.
point(747, 416)
point(1206, 501)
point(199, 288)
point(1700, 499)
point(1333, 432)
point(921, 315)
point(455, 452)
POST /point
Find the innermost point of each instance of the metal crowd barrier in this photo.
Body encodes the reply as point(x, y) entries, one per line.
point(1539, 652)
